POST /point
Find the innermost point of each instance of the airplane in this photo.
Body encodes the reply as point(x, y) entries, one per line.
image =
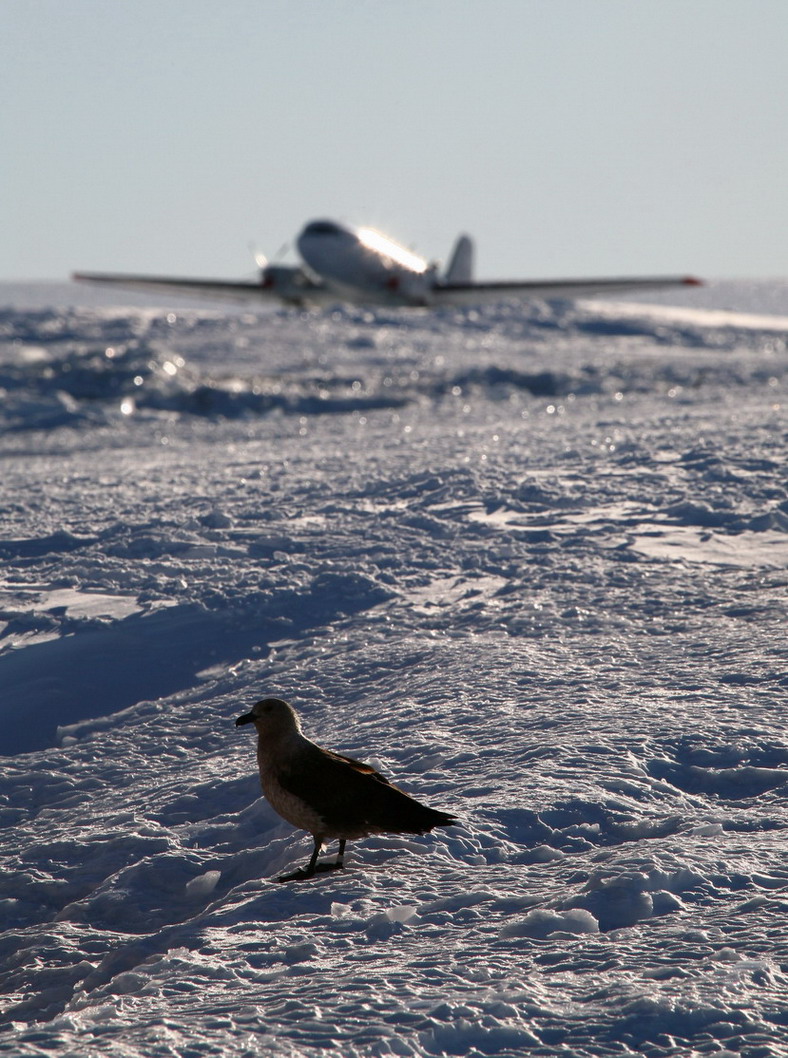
point(342, 263)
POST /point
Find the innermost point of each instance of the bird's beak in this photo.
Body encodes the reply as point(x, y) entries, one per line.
point(247, 718)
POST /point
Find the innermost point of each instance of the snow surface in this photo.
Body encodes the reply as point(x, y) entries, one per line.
point(530, 561)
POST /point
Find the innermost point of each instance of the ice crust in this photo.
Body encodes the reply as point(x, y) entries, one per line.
point(530, 562)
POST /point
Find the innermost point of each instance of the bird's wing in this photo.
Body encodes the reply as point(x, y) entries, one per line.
point(359, 766)
point(351, 795)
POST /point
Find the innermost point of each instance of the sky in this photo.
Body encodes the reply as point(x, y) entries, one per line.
point(569, 137)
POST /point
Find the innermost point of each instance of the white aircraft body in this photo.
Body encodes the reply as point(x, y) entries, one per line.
point(362, 266)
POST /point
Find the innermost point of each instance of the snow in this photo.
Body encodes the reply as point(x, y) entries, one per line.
point(530, 561)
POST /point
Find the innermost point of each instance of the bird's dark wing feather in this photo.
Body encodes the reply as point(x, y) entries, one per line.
point(358, 765)
point(352, 795)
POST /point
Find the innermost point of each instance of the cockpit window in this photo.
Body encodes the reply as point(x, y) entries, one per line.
point(323, 227)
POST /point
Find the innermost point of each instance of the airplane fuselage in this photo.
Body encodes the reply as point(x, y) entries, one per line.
point(360, 262)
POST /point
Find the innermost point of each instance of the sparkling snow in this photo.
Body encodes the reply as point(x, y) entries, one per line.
point(531, 561)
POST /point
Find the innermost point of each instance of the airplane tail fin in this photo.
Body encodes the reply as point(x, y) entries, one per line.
point(460, 267)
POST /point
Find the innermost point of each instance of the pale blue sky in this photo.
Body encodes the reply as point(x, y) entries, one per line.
point(570, 137)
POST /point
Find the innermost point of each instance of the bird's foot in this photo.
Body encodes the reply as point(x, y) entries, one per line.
point(303, 873)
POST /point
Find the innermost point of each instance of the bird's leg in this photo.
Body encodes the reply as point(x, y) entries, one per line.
point(321, 867)
point(313, 867)
point(309, 870)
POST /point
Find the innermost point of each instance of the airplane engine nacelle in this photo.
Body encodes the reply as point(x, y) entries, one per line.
point(274, 277)
point(290, 284)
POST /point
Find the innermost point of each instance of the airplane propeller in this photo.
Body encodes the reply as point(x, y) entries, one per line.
point(265, 265)
point(261, 260)
point(259, 257)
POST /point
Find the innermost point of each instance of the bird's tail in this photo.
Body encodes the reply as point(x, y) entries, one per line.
point(430, 818)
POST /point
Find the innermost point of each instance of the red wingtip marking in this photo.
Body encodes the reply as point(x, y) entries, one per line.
point(693, 281)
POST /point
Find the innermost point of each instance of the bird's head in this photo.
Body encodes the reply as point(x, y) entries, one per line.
point(272, 717)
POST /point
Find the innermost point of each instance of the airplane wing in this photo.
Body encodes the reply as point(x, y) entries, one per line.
point(549, 289)
point(290, 285)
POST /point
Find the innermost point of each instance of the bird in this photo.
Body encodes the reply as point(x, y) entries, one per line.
point(325, 793)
